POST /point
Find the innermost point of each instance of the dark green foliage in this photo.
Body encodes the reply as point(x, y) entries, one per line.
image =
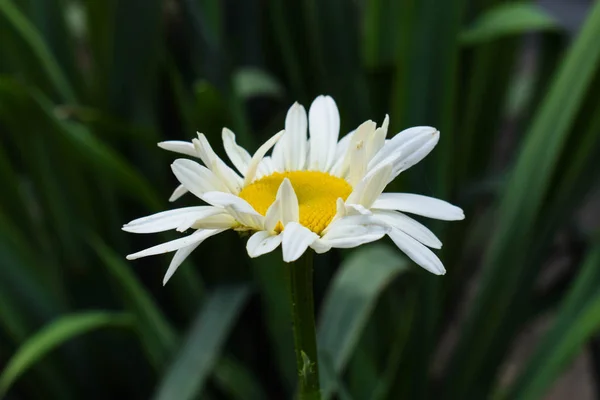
point(87, 88)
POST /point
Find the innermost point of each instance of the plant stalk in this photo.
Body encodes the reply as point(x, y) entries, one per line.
point(300, 285)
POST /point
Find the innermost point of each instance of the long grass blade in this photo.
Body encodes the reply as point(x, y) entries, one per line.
point(508, 19)
point(36, 43)
point(519, 210)
point(52, 336)
point(157, 335)
point(577, 321)
point(349, 303)
point(186, 377)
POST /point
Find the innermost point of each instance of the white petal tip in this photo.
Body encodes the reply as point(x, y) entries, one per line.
point(288, 259)
point(130, 257)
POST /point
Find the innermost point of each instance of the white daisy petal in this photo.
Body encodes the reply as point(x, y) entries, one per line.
point(414, 151)
point(420, 205)
point(360, 235)
point(295, 241)
point(357, 152)
point(239, 157)
point(220, 199)
point(378, 139)
point(343, 210)
point(176, 244)
point(258, 156)
point(213, 162)
point(410, 227)
point(196, 178)
point(342, 161)
point(324, 123)
point(419, 139)
point(370, 187)
point(166, 220)
point(262, 243)
point(184, 252)
point(294, 141)
point(357, 209)
point(273, 216)
point(265, 167)
point(222, 220)
point(239, 208)
point(417, 252)
point(320, 246)
point(177, 193)
point(290, 212)
point(179, 146)
point(178, 258)
point(352, 231)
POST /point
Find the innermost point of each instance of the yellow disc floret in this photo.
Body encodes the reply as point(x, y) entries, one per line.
point(317, 194)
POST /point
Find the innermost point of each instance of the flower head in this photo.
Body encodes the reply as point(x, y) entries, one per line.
point(312, 191)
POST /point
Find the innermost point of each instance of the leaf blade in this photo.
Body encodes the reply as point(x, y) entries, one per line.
point(185, 378)
point(348, 304)
point(53, 335)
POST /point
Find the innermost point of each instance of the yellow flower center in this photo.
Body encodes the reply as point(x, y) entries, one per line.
point(317, 194)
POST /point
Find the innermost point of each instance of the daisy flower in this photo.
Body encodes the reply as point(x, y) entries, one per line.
point(312, 191)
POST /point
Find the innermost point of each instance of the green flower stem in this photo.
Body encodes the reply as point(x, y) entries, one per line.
point(300, 281)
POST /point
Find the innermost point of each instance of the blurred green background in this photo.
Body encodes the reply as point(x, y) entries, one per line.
point(87, 88)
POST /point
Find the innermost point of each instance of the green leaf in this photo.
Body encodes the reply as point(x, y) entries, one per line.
point(36, 43)
point(237, 381)
point(270, 276)
point(158, 337)
point(482, 343)
point(200, 352)
point(349, 302)
point(54, 335)
point(79, 141)
point(577, 320)
point(508, 19)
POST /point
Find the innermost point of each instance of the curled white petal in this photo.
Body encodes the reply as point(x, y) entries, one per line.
point(220, 220)
point(342, 161)
point(378, 139)
point(371, 186)
point(196, 178)
point(357, 152)
point(295, 241)
point(239, 208)
point(354, 230)
point(261, 243)
point(412, 145)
